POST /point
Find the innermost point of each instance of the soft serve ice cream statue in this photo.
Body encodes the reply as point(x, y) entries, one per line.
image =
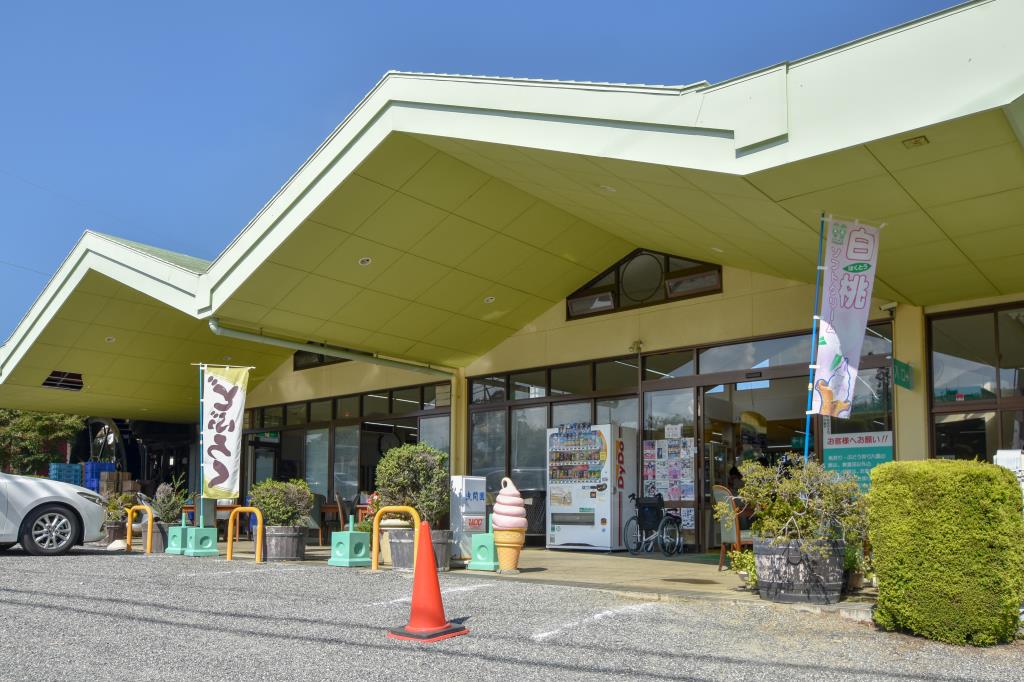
point(509, 523)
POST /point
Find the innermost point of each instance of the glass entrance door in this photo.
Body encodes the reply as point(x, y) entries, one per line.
point(670, 458)
point(375, 439)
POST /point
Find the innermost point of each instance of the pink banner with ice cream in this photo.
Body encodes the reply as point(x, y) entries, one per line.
point(851, 258)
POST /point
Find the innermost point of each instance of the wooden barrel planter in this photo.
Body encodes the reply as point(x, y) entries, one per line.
point(793, 572)
point(285, 543)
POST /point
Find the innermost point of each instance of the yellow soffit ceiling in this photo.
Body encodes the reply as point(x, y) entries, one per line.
point(134, 353)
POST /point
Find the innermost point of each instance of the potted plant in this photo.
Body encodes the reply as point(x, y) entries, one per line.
point(416, 475)
point(741, 562)
point(166, 504)
point(803, 518)
point(117, 516)
point(285, 506)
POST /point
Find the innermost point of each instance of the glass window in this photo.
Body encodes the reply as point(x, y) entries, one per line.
point(872, 403)
point(571, 413)
point(487, 390)
point(487, 446)
point(529, 447)
point(662, 408)
point(529, 385)
point(320, 411)
point(295, 414)
point(788, 350)
point(877, 340)
point(317, 460)
point(963, 358)
point(668, 365)
point(621, 411)
point(1011, 352)
point(436, 432)
point(289, 466)
point(437, 395)
point(974, 435)
point(348, 406)
point(615, 374)
point(405, 400)
point(346, 461)
point(264, 455)
point(376, 403)
point(571, 380)
point(1013, 430)
point(248, 419)
point(641, 279)
point(273, 417)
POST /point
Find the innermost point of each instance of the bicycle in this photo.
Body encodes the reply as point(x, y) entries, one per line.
point(650, 525)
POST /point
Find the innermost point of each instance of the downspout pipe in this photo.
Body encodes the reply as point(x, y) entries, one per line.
point(332, 351)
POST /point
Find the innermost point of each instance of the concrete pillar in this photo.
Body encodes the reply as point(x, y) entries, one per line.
point(911, 406)
point(459, 423)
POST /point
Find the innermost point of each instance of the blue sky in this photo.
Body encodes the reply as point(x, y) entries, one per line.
point(172, 124)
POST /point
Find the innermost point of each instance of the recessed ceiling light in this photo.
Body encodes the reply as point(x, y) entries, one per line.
point(918, 141)
point(607, 188)
point(365, 260)
point(226, 358)
point(110, 339)
point(144, 409)
point(489, 300)
point(717, 250)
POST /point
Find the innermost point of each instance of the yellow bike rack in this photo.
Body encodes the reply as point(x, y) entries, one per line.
point(259, 530)
point(375, 546)
point(149, 527)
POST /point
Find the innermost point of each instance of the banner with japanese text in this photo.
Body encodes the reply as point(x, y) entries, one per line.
point(223, 407)
point(851, 257)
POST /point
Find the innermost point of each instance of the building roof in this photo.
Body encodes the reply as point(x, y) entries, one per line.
point(481, 202)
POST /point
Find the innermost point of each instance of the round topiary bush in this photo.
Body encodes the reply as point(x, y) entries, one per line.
point(948, 543)
point(415, 475)
point(283, 503)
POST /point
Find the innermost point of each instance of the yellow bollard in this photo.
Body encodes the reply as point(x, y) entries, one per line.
point(259, 530)
point(375, 546)
point(149, 527)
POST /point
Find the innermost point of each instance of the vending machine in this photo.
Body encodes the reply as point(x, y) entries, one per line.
point(468, 513)
point(591, 472)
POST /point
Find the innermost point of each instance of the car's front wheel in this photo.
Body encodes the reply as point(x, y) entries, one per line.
point(49, 530)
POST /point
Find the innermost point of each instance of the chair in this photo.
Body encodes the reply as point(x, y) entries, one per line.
point(313, 521)
point(729, 526)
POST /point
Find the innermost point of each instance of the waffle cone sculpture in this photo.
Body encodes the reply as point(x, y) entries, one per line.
point(509, 524)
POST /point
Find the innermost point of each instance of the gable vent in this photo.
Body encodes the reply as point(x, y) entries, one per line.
point(66, 381)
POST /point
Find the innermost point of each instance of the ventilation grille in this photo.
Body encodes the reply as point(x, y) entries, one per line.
point(66, 381)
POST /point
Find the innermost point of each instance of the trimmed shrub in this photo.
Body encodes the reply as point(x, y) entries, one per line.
point(283, 503)
point(948, 542)
point(416, 475)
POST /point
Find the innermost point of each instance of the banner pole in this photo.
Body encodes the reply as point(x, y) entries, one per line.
point(202, 479)
point(814, 339)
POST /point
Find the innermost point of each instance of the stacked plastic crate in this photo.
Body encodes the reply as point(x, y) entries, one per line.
point(66, 473)
point(93, 471)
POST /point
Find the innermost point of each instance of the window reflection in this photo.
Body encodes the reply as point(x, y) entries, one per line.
point(487, 446)
point(1011, 352)
point(973, 435)
point(529, 447)
point(963, 358)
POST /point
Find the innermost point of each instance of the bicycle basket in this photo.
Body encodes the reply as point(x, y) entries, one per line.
point(649, 511)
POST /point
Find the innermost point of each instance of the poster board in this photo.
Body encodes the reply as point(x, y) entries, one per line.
point(856, 454)
point(669, 469)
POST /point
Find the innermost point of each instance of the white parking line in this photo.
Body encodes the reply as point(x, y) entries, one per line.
point(597, 617)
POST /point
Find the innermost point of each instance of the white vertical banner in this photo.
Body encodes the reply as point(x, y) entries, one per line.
point(223, 408)
point(851, 258)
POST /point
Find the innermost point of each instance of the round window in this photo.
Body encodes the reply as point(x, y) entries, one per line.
point(641, 277)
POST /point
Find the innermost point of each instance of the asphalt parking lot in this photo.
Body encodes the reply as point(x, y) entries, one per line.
point(96, 616)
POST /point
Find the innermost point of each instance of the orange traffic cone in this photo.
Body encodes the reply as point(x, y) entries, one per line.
point(427, 622)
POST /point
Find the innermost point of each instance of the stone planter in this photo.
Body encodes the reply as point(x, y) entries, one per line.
point(401, 542)
point(284, 543)
point(386, 526)
point(159, 537)
point(793, 572)
point(442, 541)
point(116, 530)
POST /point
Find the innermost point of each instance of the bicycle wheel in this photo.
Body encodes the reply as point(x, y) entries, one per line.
point(631, 536)
point(668, 535)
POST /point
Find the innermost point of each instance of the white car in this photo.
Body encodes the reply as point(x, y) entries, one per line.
point(48, 517)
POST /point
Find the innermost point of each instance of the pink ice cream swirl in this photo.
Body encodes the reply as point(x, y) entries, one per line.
point(509, 510)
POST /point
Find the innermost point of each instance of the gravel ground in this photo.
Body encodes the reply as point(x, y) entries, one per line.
point(96, 616)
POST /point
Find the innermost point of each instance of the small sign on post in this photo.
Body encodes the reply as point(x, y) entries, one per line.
point(902, 374)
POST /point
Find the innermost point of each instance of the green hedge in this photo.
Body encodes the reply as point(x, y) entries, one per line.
point(948, 543)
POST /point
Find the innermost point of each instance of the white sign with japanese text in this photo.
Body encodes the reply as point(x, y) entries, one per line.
point(223, 407)
point(851, 257)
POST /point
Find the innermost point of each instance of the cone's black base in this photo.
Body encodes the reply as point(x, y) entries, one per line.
point(445, 632)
